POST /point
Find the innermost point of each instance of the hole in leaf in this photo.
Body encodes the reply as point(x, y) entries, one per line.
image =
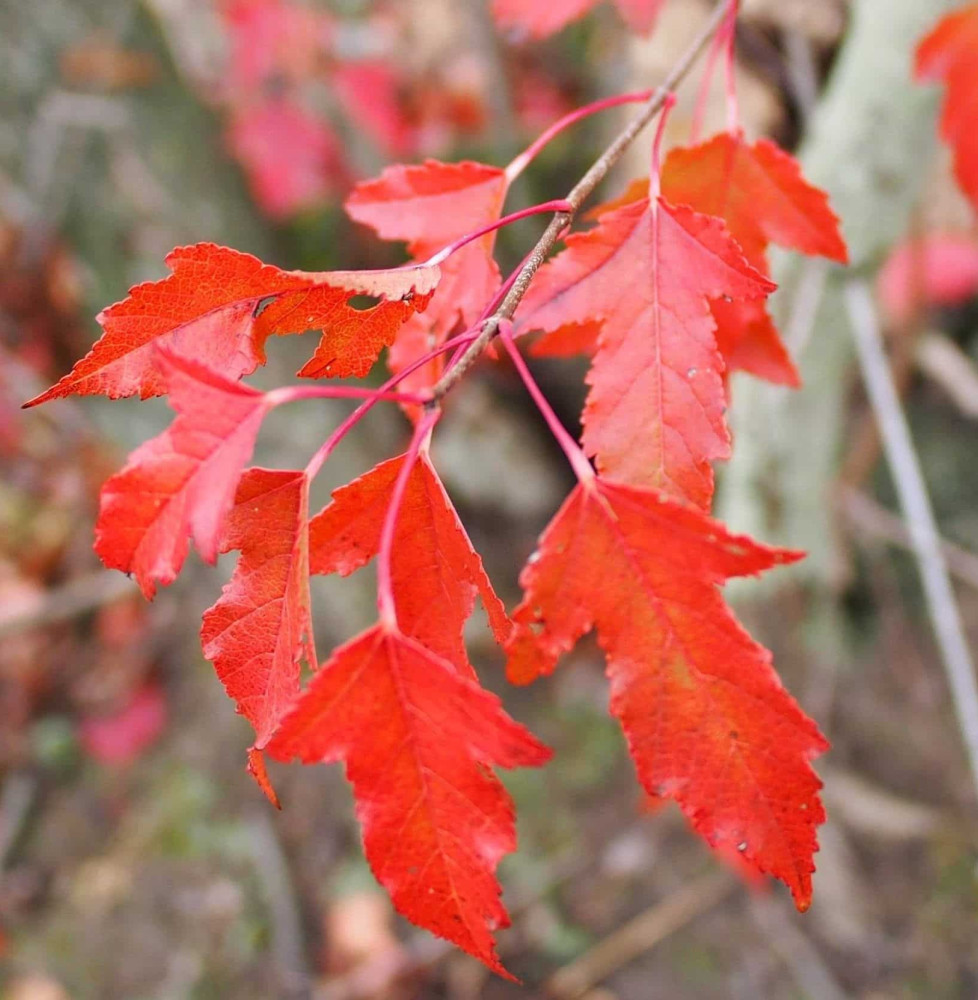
point(263, 304)
point(362, 303)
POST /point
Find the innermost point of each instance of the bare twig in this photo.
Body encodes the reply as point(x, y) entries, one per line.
point(866, 808)
point(577, 196)
point(946, 364)
point(802, 959)
point(639, 935)
point(874, 519)
point(423, 951)
point(915, 502)
point(285, 921)
point(16, 800)
point(805, 306)
point(74, 598)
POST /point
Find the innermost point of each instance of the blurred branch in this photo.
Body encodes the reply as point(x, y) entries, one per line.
point(945, 363)
point(639, 935)
point(874, 519)
point(867, 141)
point(284, 916)
point(67, 601)
point(915, 502)
point(866, 808)
point(505, 127)
point(15, 805)
point(802, 959)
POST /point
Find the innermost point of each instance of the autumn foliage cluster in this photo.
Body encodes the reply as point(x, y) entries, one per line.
point(665, 293)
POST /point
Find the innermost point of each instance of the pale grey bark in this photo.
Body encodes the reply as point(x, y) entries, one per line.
point(869, 144)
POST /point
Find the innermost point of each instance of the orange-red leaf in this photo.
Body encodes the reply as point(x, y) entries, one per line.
point(540, 18)
point(418, 739)
point(759, 192)
point(654, 415)
point(181, 484)
point(707, 720)
point(219, 307)
point(950, 53)
point(435, 572)
point(429, 206)
point(259, 631)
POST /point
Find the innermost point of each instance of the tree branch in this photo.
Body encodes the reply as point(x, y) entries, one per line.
point(912, 490)
point(576, 197)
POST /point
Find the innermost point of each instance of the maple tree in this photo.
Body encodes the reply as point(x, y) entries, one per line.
point(666, 293)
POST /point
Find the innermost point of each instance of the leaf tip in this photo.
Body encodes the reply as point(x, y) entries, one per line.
point(257, 769)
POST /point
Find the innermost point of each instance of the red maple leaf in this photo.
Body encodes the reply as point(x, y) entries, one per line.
point(706, 718)
point(180, 484)
point(370, 93)
point(938, 269)
point(269, 39)
point(759, 192)
point(430, 206)
point(261, 628)
point(121, 738)
point(418, 738)
point(293, 159)
point(435, 572)
point(949, 53)
point(219, 306)
point(539, 18)
point(647, 272)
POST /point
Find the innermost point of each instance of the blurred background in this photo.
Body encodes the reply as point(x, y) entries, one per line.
point(137, 860)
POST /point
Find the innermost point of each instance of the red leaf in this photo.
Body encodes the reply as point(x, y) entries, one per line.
point(293, 159)
point(260, 629)
point(180, 484)
point(269, 40)
point(430, 206)
point(949, 53)
point(121, 738)
point(370, 95)
point(219, 306)
point(435, 572)
point(759, 192)
point(934, 271)
point(654, 415)
point(640, 15)
point(418, 739)
point(707, 720)
point(257, 768)
point(540, 18)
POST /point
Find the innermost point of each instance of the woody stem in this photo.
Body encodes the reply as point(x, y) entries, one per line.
point(580, 192)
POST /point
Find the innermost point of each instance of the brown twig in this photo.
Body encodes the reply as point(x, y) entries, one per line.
point(577, 196)
point(639, 935)
point(67, 601)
